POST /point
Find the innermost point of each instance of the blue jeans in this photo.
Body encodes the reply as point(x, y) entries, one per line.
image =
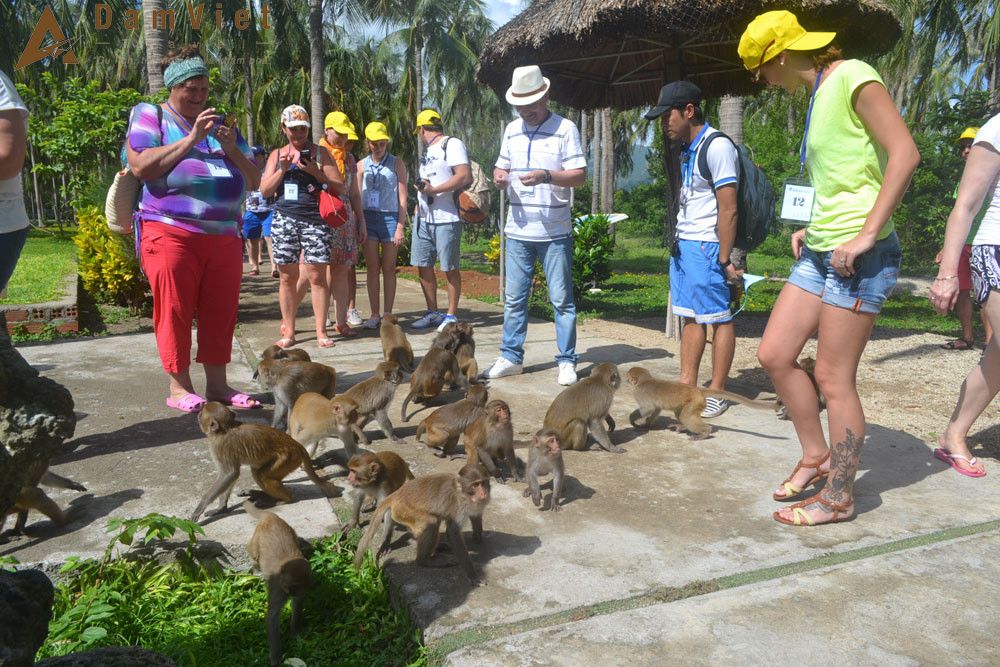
point(557, 262)
point(11, 244)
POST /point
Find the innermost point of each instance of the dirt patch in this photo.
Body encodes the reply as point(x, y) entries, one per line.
point(475, 284)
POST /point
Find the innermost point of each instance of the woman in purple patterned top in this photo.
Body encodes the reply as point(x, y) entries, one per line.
point(194, 171)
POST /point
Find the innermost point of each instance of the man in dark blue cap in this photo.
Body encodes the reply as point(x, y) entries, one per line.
point(700, 265)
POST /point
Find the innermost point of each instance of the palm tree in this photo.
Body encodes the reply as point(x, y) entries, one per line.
point(156, 44)
point(731, 117)
point(316, 66)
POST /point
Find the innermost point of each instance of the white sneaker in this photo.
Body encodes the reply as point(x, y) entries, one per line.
point(373, 322)
point(503, 367)
point(329, 323)
point(446, 320)
point(354, 317)
point(567, 373)
point(714, 407)
point(431, 318)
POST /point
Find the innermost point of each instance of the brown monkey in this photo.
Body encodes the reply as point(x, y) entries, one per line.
point(684, 400)
point(395, 346)
point(465, 352)
point(289, 379)
point(584, 408)
point(490, 438)
point(274, 549)
point(544, 457)
point(431, 375)
point(31, 497)
point(446, 424)
point(374, 476)
point(315, 418)
point(423, 503)
point(373, 397)
point(808, 364)
point(270, 453)
point(293, 353)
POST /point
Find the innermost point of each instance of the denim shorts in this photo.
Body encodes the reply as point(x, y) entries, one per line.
point(865, 291)
point(698, 287)
point(257, 224)
point(381, 225)
point(441, 242)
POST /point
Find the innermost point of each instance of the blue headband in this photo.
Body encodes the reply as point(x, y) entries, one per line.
point(180, 71)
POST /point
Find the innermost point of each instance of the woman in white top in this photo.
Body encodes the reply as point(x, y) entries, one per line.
point(13, 144)
point(980, 179)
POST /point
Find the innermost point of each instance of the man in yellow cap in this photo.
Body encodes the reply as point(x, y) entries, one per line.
point(437, 232)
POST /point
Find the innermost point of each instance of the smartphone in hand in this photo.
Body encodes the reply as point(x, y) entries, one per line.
point(305, 155)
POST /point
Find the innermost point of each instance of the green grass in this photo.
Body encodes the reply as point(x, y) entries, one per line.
point(40, 275)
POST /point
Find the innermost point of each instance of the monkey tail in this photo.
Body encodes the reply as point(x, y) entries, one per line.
point(421, 429)
point(253, 510)
point(736, 398)
point(373, 525)
point(329, 490)
point(52, 479)
point(406, 401)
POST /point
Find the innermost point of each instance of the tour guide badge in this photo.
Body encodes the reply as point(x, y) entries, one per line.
point(799, 195)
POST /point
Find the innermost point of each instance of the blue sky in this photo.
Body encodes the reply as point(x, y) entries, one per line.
point(501, 11)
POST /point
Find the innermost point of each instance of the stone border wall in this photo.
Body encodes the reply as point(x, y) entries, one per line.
point(61, 314)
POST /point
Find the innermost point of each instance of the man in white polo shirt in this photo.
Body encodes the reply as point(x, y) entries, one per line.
point(700, 265)
point(541, 160)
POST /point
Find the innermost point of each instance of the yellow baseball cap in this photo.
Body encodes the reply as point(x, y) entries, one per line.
point(353, 134)
point(376, 131)
point(428, 117)
point(969, 133)
point(773, 32)
point(338, 122)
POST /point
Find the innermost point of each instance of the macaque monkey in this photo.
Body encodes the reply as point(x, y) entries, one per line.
point(583, 408)
point(422, 504)
point(465, 352)
point(373, 397)
point(292, 353)
point(289, 379)
point(684, 400)
point(315, 418)
point(808, 364)
point(274, 549)
point(491, 437)
point(544, 457)
point(270, 453)
point(31, 497)
point(395, 346)
point(444, 426)
point(374, 476)
point(432, 372)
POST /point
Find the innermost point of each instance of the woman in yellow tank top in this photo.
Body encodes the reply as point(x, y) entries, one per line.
point(859, 157)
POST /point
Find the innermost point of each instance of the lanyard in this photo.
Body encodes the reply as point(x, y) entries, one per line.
point(190, 127)
point(805, 134)
point(687, 167)
point(531, 137)
point(375, 170)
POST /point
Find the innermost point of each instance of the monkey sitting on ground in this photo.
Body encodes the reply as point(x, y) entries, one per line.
point(374, 476)
point(270, 453)
point(31, 497)
point(315, 418)
point(422, 504)
point(490, 438)
point(583, 408)
point(292, 353)
point(808, 364)
point(274, 549)
point(433, 370)
point(395, 346)
point(465, 352)
point(444, 426)
point(545, 457)
point(684, 400)
point(288, 379)
point(373, 397)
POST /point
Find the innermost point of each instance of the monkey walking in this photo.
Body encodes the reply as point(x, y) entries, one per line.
point(684, 400)
point(374, 476)
point(270, 453)
point(490, 438)
point(395, 347)
point(289, 379)
point(444, 426)
point(544, 458)
point(274, 549)
point(422, 504)
point(31, 497)
point(373, 397)
point(808, 364)
point(582, 409)
point(315, 418)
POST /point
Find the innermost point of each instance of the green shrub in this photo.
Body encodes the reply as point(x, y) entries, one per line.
point(592, 251)
point(108, 267)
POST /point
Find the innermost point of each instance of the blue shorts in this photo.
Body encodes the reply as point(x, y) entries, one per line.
point(698, 287)
point(256, 224)
point(441, 242)
point(865, 291)
point(381, 225)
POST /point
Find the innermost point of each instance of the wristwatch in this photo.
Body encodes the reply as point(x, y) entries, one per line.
point(548, 176)
point(726, 263)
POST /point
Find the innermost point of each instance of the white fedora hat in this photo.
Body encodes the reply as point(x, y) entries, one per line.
point(527, 86)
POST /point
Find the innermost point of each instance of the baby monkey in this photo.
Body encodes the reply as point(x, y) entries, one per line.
point(374, 476)
point(545, 457)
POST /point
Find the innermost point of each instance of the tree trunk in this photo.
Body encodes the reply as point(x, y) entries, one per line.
point(316, 67)
point(156, 44)
point(731, 117)
point(418, 84)
point(39, 208)
point(607, 163)
point(595, 170)
point(584, 132)
point(251, 136)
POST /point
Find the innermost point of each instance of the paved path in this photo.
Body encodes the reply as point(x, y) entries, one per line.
point(664, 555)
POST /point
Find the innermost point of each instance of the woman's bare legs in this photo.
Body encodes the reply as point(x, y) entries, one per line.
point(373, 268)
point(289, 295)
point(338, 288)
point(389, 252)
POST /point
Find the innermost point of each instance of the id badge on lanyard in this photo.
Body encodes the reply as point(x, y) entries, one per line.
point(799, 195)
point(291, 191)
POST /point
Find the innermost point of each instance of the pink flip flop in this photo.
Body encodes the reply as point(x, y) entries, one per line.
point(186, 403)
point(943, 454)
point(239, 400)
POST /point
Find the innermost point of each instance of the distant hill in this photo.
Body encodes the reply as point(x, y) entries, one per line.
point(640, 169)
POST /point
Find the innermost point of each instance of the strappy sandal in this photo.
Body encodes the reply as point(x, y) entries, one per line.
point(791, 490)
point(800, 517)
point(324, 342)
point(345, 330)
point(958, 344)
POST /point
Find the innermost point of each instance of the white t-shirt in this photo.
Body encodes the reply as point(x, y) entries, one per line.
point(436, 168)
point(13, 215)
point(541, 212)
point(989, 230)
point(699, 211)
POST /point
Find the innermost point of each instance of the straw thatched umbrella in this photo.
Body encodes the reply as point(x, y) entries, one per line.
point(617, 53)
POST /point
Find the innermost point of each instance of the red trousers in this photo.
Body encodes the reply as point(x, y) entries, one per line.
point(192, 275)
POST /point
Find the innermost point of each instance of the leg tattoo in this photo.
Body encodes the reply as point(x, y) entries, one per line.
point(845, 458)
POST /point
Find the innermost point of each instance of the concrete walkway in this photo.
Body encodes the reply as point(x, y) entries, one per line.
point(666, 554)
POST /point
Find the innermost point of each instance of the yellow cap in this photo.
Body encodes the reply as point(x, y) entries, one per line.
point(353, 134)
point(773, 32)
point(338, 121)
point(969, 133)
point(428, 117)
point(376, 131)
